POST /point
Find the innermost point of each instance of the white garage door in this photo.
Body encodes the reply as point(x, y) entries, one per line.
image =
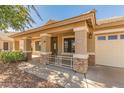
point(110, 50)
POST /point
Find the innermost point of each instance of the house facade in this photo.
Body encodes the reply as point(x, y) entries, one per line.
point(82, 37)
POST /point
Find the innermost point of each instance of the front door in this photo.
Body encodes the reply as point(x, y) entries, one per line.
point(54, 45)
point(5, 45)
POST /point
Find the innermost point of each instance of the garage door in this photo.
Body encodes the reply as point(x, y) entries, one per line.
point(110, 50)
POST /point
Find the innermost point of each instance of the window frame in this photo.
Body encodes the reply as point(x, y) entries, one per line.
point(121, 35)
point(112, 38)
point(98, 37)
point(66, 53)
point(39, 46)
point(7, 46)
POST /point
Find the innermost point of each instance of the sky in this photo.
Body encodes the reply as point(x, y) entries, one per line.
point(60, 12)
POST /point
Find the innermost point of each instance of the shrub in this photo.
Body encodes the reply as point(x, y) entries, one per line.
point(11, 56)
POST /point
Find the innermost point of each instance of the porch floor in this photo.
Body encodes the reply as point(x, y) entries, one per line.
point(97, 76)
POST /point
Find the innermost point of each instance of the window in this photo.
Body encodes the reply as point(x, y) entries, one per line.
point(37, 46)
point(101, 37)
point(112, 37)
point(69, 46)
point(5, 45)
point(121, 36)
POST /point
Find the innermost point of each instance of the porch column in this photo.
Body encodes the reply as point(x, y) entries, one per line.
point(81, 55)
point(45, 47)
point(59, 44)
point(27, 47)
point(1, 45)
point(15, 45)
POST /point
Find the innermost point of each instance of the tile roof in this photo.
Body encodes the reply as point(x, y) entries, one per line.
point(110, 20)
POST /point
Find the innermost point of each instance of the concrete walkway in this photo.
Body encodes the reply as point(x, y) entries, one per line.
point(97, 76)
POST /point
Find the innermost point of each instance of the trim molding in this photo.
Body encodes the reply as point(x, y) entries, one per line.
point(45, 53)
point(23, 38)
point(109, 31)
point(67, 53)
point(91, 53)
point(82, 56)
point(45, 35)
point(82, 28)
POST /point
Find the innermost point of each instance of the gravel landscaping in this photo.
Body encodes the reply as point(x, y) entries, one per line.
point(12, 77)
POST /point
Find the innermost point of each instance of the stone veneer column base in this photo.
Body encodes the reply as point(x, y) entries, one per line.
point(44, 58)
point(91, 60)
point(80, 64)
point(28, 55)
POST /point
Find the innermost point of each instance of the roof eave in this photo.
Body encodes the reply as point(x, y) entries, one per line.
point(90, 15)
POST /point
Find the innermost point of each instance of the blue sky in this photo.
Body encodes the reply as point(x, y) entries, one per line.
point(60, 12)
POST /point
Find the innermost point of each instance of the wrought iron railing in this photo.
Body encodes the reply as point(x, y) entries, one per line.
point(65, 61)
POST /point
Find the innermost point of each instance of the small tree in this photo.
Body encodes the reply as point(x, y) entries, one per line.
point(16, 17)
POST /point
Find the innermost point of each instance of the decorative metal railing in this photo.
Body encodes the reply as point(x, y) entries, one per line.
point(65, 61)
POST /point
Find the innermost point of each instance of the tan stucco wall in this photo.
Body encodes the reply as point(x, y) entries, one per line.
point(21, 45)
point(33, 45)
point(81, 42)
point(45, 44)
point(10, 45)
point(91, 43)
point(27, 44)
point(16, 45)
point(1, 45)
point(59, 43)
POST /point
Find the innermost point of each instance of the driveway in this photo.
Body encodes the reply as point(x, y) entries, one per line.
point(97, 76)
point(104, 76)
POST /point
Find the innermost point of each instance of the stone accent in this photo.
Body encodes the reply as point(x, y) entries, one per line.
point(44, 59)
point(91, 60)
point(80, 65)
point(28, 55)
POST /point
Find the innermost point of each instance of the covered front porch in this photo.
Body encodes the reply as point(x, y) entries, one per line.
point(60, 47)
point(65, 42)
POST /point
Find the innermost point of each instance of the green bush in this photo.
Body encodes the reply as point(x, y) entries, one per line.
point(11, 56)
